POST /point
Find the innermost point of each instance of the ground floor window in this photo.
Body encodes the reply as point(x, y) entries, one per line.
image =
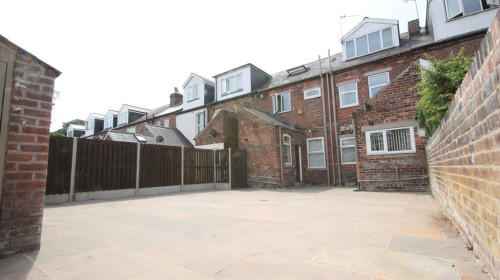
point(166, 123)
point(390, 141)
point(287, 149)
point(316, 152)
point(347, 150)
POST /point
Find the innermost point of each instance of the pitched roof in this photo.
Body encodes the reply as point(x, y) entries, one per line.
point(128, 137)
point(199, 77)
point(369, 20)
point(272, 119)
point(77, 127)
point(242, 66)
point(135, 108)
point(283, 78)
point(112, 111)
point(171, 136)
point(96, 116)
point(23, 51)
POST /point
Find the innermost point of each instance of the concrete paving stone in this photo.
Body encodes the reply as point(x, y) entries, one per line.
point(170, 272)
point(269, 266)
point(110, 263)
point(55, 249)
point(200, 256)
point(389, 265)
point(294, 247)
point(451, 248)
point(21, 267)
point(303, 233)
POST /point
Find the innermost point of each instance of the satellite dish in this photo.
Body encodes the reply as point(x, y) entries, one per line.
point(159, 139)
point(213, 133)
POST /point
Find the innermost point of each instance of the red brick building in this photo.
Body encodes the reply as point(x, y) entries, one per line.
point(27, 85)
point(336, 106)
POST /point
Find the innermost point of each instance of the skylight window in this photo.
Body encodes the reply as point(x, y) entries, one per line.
point(297, 70)
point(140, 138)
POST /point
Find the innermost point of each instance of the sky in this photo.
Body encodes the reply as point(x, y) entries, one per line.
point(135, 52)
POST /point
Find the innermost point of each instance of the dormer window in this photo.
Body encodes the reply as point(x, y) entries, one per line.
point(457, 8)
point(123, 117)
point(232, 84)
point(192, 93)
point(297, 70)
point(369, 43)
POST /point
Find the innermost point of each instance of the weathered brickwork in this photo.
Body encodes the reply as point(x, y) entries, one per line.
point(464, 154)
point(23, 192)
point(225, 125)
point(395, 105)
point(401, 101)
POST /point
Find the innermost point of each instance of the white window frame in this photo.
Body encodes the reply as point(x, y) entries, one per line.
point(312, 96)
point(191, 93)
point(226, 84)
point(461, 6)
point(275, 100)
point(377, 85)
point(123, 118)
point(90, 124)
point(384, 134)
point(69, 133)
point(368, 43)
point(166, 123)
point(199, 126)
point(344, 146)
point(343, 93)
point(287, 147)
point(318, 152)
point(108, 122)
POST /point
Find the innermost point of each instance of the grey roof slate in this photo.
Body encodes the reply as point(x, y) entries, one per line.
point(272, 119)
point(128, 137)
point(282, 78)
point(171, 136)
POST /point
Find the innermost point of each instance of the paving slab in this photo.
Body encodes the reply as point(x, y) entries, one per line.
point(304, 233)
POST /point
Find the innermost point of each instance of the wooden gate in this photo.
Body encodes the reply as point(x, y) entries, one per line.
point(239, 169)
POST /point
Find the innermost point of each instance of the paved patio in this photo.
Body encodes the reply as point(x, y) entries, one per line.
point(307, 233)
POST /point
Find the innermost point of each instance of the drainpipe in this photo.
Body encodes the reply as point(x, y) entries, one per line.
point(330, 124)
point(281, 157)
point(324, 120)
point(356, 154)
point(335, 120)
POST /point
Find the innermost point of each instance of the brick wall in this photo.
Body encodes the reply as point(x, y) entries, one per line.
point(464, 154)
point(26, 159)
point(226, 126)
point(402, 102)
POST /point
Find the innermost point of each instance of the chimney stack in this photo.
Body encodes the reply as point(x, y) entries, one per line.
point(414, 28)
point(175, 98)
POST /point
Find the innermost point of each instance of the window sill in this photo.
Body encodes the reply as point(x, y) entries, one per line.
point(348, 163)
point(194, 99)
point(231, 92)
point(289, 165)
point(463, 16)
point(312, 97)
point(390, 153)
point(277, 113)
point(316, 168)
point(349, 106)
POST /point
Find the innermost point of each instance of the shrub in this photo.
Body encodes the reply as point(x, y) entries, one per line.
point(438, 84)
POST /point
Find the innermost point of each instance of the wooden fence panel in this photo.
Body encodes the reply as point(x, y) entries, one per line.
point(239, 169)
point(160, 166)
point(198, 166)
point(222, 166)
point(59, 169)
point(105, 165)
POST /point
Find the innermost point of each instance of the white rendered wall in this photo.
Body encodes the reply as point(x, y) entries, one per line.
point(245, 82)
point(443, 28)
point(201, 94)
point(186, 123)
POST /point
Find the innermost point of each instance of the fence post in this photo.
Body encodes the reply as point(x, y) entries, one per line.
point(230, 167)
point(215, 169)
point(73, 170)
point(138, 170)
point(182, 167)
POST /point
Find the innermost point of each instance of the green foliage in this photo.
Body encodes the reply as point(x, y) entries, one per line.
point(57, 133)
point(437, 86)
point(65, 125)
